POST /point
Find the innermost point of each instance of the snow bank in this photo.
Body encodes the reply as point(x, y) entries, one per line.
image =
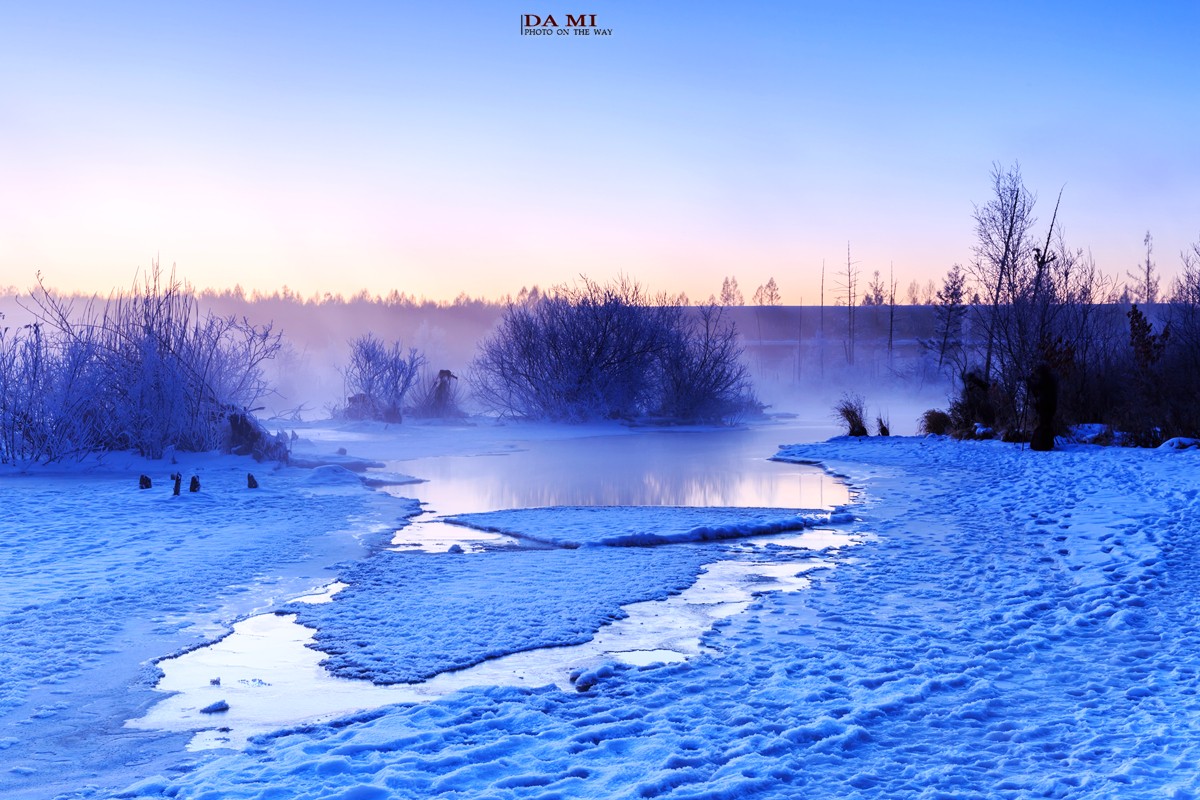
point(643, 526)
point(1024, 624)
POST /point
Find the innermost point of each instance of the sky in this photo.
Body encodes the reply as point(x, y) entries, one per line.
point(433, 149)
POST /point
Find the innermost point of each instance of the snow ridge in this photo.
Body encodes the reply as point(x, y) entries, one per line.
point(642, 526)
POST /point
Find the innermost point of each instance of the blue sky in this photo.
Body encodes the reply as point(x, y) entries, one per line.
point(435, 150)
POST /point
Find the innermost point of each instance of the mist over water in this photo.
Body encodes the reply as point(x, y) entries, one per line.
point(667, 468)
point(797, 356)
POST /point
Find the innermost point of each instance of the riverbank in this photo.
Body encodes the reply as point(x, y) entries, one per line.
point(1022, 625)
point(105, 580)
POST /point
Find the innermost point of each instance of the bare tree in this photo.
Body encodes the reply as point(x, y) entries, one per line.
point(1145, 287)
point(731, 295)
point(1185, 309)
point(821, 322)
point(950, 312)
point(914, 293)
point(929, 293)
point(876, 294)
point(767, 294)
point(701, 374)
point(607, 351)
point(891, 310)
point(1001, 227)
point(379, 377)
point(848, 287)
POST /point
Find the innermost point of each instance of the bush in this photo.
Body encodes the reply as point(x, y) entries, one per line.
point(142, 370)
point(852, 411)
point(935, 422)
point(701, 374)
point(377, 379)
point(973, 410)
point(607, 352)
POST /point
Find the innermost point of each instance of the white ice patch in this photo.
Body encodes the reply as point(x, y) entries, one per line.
point(816, 540)
point(434, 536)
point(270, 678)
point(324, 595)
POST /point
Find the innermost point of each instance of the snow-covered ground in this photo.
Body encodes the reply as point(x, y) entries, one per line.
point(1011, 624)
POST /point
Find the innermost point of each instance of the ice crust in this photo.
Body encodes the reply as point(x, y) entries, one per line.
point(407, 617)
point(641, 526)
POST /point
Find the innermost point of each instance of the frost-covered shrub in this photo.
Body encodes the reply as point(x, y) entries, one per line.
point(142, 370)
point(701, 374)
point(607, 351)
point(45, 393)
point(378, 377)
point(576, 354)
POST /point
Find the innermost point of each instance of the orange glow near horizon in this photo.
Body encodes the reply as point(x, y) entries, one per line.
point(436, 152)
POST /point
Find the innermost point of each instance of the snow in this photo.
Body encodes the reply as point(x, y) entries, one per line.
point(101, 578)
point(274, 679)
point(1010, 624)
point(635, 526)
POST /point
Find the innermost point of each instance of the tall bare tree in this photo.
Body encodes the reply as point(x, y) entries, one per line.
point(848, 286)
point(1145, 287)
point(1002, 226)
point(821, 322)
point(891, 310)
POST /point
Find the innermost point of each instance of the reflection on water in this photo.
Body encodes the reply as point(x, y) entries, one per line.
point(668, 468)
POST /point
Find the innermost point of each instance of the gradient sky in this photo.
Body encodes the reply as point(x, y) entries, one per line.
point(430, 148)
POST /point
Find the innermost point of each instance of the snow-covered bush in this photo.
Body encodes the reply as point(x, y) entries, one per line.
point(142, 370)
point(378, 377)
point(44, 392)
point(608, 351)
point(574, 354)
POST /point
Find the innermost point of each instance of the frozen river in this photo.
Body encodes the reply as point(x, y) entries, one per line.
point(267, 675)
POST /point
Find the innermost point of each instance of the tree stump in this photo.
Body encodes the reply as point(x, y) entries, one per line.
point(1043, 387)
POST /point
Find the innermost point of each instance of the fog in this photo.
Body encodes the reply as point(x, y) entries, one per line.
point(703, 468)
point(799, 357)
